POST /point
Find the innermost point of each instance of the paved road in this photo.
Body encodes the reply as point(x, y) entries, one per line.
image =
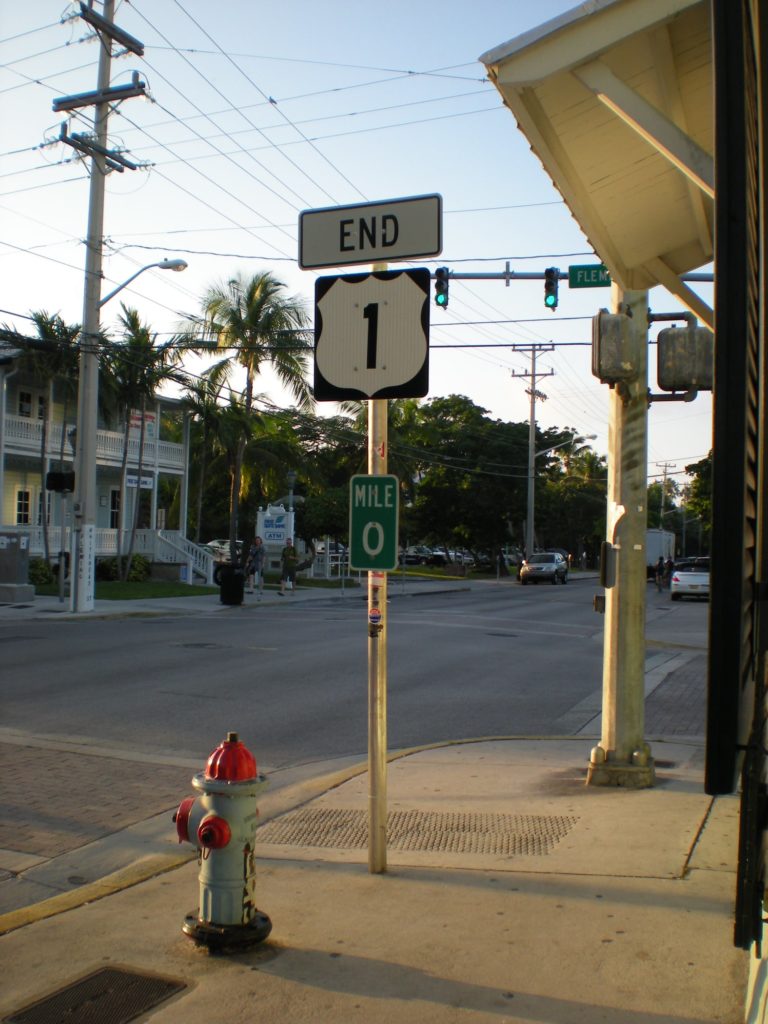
point(293, 678)
point(104, 722)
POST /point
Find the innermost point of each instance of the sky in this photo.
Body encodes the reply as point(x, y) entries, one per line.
point(260, 111)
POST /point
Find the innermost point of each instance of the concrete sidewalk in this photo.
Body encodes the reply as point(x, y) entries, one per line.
point(513, 893)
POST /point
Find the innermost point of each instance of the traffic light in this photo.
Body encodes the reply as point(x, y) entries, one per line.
point(441, 287)
point(551, 278)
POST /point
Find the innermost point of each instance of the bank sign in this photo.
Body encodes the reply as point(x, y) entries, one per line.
point(373, 522)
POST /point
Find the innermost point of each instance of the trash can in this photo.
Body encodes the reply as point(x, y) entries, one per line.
point(231, 579)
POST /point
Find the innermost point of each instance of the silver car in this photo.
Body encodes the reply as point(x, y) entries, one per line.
point(544, 567)
point(690, 579)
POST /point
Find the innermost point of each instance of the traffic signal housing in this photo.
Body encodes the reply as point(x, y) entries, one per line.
point(441, 287)
point(551, 279)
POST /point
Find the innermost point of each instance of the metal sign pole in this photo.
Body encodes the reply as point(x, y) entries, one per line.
point(377, 660)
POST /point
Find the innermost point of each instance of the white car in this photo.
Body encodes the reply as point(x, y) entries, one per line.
point(690, 579)
point(220, 549)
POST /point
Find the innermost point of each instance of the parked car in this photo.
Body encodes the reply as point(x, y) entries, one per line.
point(690, 578)
point(417, 554)
point(544, 567)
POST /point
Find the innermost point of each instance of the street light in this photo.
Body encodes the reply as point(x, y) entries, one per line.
point(176, 265)
point(84, 508)
point(532, 456)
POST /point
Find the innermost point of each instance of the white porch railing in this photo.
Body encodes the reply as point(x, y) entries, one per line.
point(168, 546)
point(22, 437)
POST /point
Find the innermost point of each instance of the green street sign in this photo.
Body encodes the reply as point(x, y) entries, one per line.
point(589, 275)
point(373, 516)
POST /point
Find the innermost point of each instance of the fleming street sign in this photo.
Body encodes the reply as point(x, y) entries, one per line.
point(372, 335)
point(373, 516)
point(393, 229)
point(589, 275)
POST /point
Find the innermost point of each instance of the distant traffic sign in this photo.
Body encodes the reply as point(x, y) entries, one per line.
point(373, 520)
point(372, 335)
point(393, 229)
point(589, 275)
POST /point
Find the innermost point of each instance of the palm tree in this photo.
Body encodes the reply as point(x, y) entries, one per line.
point(202, 401)
point(138, 366)
point(57, 359)
point(261, 326)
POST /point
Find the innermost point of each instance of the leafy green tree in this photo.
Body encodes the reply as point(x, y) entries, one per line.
point(253, 319)
point(699, 497)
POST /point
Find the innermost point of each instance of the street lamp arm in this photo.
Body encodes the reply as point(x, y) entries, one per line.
point(587, 437)
point(162, 265)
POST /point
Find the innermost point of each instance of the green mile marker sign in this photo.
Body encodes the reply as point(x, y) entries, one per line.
point(589, 275)
point(373, 515)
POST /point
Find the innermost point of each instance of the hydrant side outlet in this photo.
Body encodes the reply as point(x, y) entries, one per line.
point(213, 833)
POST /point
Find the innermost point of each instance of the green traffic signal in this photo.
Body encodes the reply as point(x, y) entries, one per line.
point(551, 279)
point(441, 287)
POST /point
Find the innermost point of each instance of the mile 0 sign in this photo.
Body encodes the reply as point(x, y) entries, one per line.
point(372, 335)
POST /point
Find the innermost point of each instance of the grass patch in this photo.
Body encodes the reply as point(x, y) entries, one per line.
point(148, 590)
point(114, 590)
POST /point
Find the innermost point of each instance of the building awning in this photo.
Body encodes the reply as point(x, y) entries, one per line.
point(616, 100)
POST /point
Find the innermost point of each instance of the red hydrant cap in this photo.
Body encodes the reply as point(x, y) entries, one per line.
point(231, 761)
point(213, 833)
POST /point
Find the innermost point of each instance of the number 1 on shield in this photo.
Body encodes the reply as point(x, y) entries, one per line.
point(371, 314)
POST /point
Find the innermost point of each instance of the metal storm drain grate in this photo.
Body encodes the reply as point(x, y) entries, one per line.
point(110, 996)
point(500, 834)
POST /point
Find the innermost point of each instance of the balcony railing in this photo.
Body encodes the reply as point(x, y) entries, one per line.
point(22, 437)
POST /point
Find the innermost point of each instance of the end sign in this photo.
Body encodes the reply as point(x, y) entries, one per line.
point(373, 522)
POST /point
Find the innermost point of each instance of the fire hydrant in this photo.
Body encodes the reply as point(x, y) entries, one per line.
point(221, 822)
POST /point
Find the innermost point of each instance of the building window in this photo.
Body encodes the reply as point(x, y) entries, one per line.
point(28, 402)
point(22, 508)
point(114, 510)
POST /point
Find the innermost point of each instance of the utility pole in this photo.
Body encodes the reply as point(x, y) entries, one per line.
point(623, 758)
point(534, 394)
point(664, 466)
point(85, 504)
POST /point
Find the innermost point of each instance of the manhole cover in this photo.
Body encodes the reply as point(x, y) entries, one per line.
point(109, 996)
point(453, 832)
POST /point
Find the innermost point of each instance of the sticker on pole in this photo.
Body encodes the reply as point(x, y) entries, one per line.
point(373, 522)
point(374, 616)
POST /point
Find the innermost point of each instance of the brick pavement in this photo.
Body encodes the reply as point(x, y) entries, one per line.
point(55, 801)
point(678, 707)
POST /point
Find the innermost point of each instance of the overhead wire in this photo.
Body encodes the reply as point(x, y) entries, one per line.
point(226, 99)
point(264, 95)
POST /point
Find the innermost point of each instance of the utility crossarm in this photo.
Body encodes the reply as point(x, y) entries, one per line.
point(114, 32)
point(85, 145)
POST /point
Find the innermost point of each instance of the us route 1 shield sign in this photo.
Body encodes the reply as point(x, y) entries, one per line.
point(372, 335)
point(373, 522)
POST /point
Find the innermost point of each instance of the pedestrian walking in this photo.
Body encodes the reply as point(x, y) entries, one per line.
point(289, 560)
point(254, 566)
point(669, 567)
point(660, 573)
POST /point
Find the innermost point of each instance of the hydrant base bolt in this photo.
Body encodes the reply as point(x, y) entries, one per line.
point(227, 937)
